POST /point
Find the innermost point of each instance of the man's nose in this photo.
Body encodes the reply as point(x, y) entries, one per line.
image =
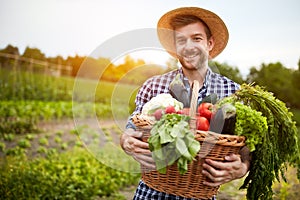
point(189, 44)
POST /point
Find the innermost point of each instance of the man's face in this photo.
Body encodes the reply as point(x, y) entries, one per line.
point(192, 45)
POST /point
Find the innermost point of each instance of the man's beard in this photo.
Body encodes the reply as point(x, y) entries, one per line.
point(194, 60)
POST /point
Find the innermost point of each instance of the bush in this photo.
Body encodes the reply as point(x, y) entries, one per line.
point(71, 175)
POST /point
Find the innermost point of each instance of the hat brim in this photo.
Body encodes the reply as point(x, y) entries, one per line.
point(214, 22)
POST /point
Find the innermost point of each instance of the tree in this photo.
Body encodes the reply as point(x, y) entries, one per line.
point(9, 49)
point(75, 62)
point(34, 53)
point(8, 62)
point(275, 78)
point(224, 69)
point(296, 87)
point(90, 69)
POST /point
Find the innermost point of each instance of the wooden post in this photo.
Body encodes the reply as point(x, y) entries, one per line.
point(59, 68)
point(46, 68)
point(15, 65)
point(31, 65)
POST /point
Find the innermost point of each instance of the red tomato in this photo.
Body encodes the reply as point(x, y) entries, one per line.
point(170, 109)
point(202, 123)
point(184, 111)
point(205, 110)
point(180, 112)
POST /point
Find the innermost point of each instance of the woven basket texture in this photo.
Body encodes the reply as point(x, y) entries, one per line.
point(190, 184)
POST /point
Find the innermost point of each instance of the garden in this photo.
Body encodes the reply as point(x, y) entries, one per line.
point(46, 154)
point(58, 142)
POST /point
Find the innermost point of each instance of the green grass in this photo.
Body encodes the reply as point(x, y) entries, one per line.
point(22, 85)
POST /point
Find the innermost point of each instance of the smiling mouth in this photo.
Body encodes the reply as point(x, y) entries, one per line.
point(191, 56)
point(188, 57)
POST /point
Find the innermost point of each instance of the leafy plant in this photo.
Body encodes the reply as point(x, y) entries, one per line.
point(43, 141)
point(42, 150)
point(30, 136)
point(71, 175)
point(58, 139)
point(64, 146)
point(9, 137)
point(172, 141)
point(24, 143)
point(279, 146)
point(2, 146)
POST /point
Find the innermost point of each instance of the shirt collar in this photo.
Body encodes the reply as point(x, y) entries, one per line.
point(207, 77)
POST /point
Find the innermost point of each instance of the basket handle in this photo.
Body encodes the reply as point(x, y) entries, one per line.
point(194, 103)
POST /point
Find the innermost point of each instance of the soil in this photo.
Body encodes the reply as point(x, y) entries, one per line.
point(65, 134)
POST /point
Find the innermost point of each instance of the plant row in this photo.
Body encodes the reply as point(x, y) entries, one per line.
point(22, 116)
point(23, 85)
point(74, 174)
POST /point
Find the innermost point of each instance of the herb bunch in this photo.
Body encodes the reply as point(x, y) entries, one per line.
point(279, 146)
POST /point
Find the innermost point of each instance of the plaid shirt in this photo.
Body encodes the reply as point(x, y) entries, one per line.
point(143, 192)
point(214, 83)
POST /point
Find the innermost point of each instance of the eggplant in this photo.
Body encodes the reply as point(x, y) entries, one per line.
point(223, 121)
point(211, 98)
point(179, 92)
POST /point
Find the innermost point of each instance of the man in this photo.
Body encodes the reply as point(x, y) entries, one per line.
point(193, 36)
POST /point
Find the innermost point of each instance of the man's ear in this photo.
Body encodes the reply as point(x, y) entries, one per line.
point(210, 43)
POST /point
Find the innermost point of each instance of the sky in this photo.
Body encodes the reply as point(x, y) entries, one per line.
point(259, 31)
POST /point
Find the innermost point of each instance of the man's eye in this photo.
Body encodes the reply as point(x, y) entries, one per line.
point(198, 39)
point(180, 41)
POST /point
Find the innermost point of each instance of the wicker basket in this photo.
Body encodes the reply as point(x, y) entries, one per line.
point(190, 185)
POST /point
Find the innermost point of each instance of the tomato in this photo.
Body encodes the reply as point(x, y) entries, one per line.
point(170, 110)
point(180, 112)
point(202, 123)
point(205, 110)
point(184, 111)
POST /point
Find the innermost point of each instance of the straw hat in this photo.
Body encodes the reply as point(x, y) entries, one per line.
point(214, 22)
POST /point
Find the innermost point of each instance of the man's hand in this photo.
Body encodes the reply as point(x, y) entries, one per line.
point(234, 167)
point(131, 143)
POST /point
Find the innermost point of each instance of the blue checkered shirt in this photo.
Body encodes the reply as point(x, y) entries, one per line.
point(144, 192)
point(213, 83)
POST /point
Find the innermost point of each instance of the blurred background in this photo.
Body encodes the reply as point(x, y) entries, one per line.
point(65, 99)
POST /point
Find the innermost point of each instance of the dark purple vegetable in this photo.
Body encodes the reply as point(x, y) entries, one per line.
point(223, 121)
point(179, 92)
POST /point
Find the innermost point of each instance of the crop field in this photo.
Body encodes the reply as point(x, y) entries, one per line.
point(59, 139)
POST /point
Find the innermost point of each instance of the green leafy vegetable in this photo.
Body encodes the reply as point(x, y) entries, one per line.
point(277, 148)
point(249, 122)
point(172, 140)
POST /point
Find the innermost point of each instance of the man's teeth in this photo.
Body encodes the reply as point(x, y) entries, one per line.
point(191, 56)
